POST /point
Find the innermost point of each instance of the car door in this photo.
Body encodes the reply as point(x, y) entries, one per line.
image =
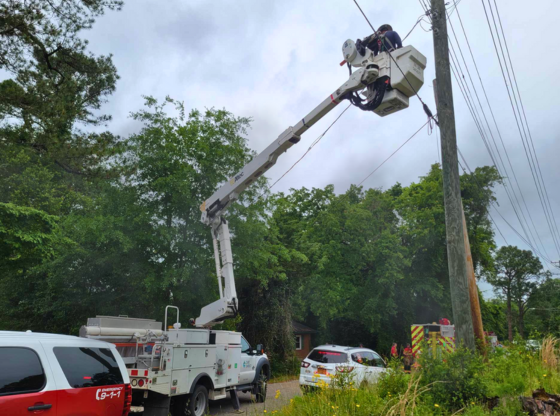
point(26, 382)
point(375, 366)
point(90, 379)
point(248, 363)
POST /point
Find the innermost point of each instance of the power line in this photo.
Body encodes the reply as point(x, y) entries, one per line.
point(517, 120)
point(526, 122)
point(465, 90)
point(472, 108)
point(392, 154)
point(317, 140)
point(480, 189)
point(506, 176)
point(537, 252)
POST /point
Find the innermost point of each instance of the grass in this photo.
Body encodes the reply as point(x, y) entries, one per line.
point(283, 378)
point(455, 384)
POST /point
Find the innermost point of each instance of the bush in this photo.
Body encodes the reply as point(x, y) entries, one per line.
point(516, 370)
point(394, 381)
point(454, 380)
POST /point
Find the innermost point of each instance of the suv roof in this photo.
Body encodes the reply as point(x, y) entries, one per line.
point(45, 336)
point(339, 348)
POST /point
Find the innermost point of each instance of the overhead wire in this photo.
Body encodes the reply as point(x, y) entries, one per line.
point(525, 117)
point(472, 108)
point(420, 19)
point(392, 154)
point(480, 189)
point(521, 129)
point(467, 95)
point(317, 140)
point(505, 175)
point(547, 261)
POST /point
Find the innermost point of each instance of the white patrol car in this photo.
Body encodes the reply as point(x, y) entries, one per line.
point(326, 361)
point(61, 375)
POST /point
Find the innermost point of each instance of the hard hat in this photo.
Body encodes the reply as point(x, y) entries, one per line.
point(384, 28)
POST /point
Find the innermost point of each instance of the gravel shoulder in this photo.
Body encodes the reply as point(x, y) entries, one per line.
point(274, 400)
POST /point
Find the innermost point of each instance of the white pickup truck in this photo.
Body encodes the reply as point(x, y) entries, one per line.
point(178, 370)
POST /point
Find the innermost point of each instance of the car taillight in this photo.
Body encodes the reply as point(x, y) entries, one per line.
point(127, 399)
point(305, 364)
point(344, 369)
point(140, 383)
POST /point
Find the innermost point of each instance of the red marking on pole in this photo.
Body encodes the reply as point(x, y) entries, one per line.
point(333, 100)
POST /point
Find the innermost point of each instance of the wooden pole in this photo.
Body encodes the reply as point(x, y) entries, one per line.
point(473, 292)
point(456, 255)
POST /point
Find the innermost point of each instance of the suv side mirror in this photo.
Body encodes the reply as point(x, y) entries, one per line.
point(260, 349)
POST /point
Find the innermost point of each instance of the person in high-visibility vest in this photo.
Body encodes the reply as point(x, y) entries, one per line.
point(407, 353)
point(394, 351)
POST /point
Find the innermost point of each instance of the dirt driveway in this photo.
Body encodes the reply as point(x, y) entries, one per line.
point(287, 391)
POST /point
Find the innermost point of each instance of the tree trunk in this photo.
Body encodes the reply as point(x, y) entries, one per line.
point(510, 332)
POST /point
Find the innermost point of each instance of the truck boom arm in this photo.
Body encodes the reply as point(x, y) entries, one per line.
point(371, 71)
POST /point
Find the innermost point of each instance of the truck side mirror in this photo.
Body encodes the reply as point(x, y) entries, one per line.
point(260, 349)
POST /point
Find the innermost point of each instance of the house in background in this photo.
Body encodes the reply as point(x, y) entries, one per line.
point(302, 335)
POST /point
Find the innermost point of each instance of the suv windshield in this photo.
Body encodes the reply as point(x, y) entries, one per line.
point(328, 357)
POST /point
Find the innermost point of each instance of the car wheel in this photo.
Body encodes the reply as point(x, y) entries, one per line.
point(262, 386)
point(197, 403)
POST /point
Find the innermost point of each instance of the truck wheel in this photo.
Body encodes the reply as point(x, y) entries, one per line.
point(262, 385)
point(197, 403)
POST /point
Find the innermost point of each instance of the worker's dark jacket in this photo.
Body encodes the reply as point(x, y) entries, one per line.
point(390, 41)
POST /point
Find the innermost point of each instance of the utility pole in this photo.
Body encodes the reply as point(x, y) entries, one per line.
point(456, 256)
point(473, 292)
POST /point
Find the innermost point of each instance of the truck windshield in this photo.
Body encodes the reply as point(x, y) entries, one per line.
point(245, 347)
point(328, 357)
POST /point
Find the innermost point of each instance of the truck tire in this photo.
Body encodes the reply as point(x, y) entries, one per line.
point(197, 402)
point(262, 386)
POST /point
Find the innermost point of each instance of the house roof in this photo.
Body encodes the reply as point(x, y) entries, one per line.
point(302, 329)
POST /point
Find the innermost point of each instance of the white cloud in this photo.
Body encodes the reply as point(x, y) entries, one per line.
point(274, 61)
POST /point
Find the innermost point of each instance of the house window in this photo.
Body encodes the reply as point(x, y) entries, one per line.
point(299, 342)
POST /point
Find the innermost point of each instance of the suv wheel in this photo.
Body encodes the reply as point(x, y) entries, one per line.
point(197, 403)
point(262, 385)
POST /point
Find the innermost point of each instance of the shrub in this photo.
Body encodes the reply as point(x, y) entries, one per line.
point(394, 381)
point(455, 379)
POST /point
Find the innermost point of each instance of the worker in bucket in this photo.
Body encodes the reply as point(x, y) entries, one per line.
point(384, 40)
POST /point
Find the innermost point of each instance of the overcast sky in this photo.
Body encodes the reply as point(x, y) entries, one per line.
point(276, 60)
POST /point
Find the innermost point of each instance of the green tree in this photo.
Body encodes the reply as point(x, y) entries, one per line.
point(50, 169)
point(543, 307)
point(54, 83)
point(516, 276)
point(494, 317)
point(421, 211)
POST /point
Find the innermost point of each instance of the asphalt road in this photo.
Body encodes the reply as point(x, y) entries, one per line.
point(274, 400)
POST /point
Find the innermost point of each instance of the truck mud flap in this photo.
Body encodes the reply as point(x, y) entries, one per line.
point(156, 405)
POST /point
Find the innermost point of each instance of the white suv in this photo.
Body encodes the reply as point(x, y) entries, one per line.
point(61, 375)
point(355, 363)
